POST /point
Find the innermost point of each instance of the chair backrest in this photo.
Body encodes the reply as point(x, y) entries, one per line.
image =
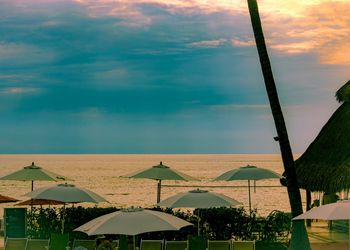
point(197, 243)
point(176, 245)
point(59, 241)
point(219, 245)
point(15, 243)
point(151, 244)
point(243, 245)
point(271, 245)
point(88, 244)
point(123, 242)
point(37, 244)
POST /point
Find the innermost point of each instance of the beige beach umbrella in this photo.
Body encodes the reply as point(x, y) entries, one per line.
point(198, 199)
point(133, 221)
point(248, 173)
point(161, 172)
point(66, 193)
point(33, 173)
point(334, 211)
point(7, 199)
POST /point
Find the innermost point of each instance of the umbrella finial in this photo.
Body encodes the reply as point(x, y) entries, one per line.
point(32, 163)
point(161, 163)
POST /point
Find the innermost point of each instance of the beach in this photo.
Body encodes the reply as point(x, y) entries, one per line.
point(102, 174)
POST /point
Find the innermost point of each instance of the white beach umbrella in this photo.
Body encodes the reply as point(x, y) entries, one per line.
point(334, 211)
point(198, 199)
point(248, 173)
point(161, 172)
point(67, 193)
point(34, 173)
point(133, 221)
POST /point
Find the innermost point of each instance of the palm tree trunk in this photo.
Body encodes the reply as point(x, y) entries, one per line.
point(299, 238)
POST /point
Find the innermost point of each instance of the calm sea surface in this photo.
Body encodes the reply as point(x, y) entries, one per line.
point(101, 174)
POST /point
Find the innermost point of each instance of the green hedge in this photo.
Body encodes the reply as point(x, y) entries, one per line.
point(215, 223)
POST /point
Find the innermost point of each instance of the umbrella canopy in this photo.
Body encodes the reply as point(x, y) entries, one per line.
point(199, 199)
point(329, 154)
point(248, 173)
point(6, 199)
point(41, 202)
point(133, 221)
point(33, 173)
point(161, 172)
point(67, 193)
point(334, 211)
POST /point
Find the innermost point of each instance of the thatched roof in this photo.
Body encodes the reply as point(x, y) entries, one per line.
point(325, 165)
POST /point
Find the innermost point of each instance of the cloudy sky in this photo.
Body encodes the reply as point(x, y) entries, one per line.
point(165, 76)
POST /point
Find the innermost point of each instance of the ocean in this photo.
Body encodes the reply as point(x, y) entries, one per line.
point(102, 174)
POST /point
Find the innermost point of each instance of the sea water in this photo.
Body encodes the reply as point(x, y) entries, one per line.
point(102, 175)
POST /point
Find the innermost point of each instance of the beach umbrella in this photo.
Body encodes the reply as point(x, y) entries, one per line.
point(7, 199)
point(66, 193)
point(161, 172)
point(33, 173)
point(198, 199)
point(334, 211)
point(40, 202)
point(133, 221)
point(248, 173)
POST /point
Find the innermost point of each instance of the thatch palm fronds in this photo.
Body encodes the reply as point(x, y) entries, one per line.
point(325, 165)
point(343, 94)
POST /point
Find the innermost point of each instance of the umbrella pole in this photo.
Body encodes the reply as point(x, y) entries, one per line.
point(159, 186)
point(63, 215)
point(134, 241)
point(198, 221)
point(250, 201)
point(32, 185)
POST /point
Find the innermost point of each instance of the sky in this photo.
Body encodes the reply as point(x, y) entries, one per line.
point(165, 76)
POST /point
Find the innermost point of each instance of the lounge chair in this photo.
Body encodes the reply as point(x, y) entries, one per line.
point(59, 241)
point(15, 243)
point(197, 243)
point(243, 245)
point(219, 245)
point(271, 245)
point(88, 244)
point(37, 244)
point(151, 244)
point(175, 245)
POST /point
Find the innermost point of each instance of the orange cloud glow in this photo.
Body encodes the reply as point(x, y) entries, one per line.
point(291, 27)
point(319, 28)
